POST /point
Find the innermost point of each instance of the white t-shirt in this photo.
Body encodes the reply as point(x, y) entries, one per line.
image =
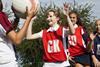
point(6, 49)
point(7, 54)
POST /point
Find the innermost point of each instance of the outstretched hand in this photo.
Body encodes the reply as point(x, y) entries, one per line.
point(32, 11)
point(66, 9)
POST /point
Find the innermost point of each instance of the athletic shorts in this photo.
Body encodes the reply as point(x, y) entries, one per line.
point(84, 59)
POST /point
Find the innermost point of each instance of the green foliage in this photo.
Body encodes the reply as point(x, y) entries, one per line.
point(30, 52)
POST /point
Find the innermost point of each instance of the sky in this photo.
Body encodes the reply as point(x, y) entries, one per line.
point(95, 8)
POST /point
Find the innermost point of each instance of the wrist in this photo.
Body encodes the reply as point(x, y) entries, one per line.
point(28, 17)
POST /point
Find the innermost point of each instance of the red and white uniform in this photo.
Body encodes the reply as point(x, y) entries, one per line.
point(76, 43)
point(53, 46)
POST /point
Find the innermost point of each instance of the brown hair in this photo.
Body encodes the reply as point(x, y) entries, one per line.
point(55, 12)
point(79, 22)
point(97, 20)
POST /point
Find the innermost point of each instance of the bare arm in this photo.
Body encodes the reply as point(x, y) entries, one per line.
point(18, 37)
point(70, 25)
point(66, 12)
point(95, 61)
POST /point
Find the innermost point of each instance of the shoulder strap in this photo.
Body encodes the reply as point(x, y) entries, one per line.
point(65, 44)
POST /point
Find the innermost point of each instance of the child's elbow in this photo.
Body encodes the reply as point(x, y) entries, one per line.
point(16, 43)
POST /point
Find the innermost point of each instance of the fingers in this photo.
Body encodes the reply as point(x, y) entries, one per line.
point(34, 5)
point(97, 64)
point(92, 36)
point(66, 8)
point(32, 11)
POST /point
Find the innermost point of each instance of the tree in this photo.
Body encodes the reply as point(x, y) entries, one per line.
point(30, 52)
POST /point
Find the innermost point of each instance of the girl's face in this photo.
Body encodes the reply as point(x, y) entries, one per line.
point(73, 18)
point(52, 18)
point(98, 25)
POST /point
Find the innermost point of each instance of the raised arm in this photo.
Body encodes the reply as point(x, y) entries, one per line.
point(66, 13)
point(18, 37)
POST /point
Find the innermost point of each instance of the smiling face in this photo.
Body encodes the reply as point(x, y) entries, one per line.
point(52, 18)
point(73, 18)
point(98, 25)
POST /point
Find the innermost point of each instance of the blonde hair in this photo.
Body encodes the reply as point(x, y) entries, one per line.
point(97, 20)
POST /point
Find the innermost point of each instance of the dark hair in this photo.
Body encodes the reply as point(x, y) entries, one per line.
point(79, 22)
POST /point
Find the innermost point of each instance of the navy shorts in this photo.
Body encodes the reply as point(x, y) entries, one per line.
point(84, 59)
